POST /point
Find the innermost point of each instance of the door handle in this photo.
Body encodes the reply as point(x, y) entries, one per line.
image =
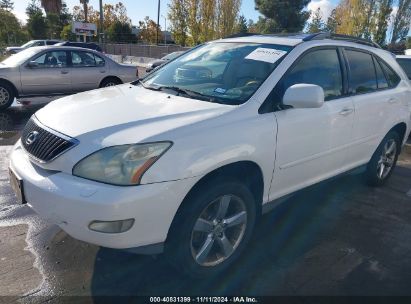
point(64, 72)
point(346, 111)
point(392, 100)
point(103, 71)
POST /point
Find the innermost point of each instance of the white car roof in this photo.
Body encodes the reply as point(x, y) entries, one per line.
point(404, 56)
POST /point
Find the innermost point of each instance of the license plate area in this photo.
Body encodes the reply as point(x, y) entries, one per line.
point(17, 186)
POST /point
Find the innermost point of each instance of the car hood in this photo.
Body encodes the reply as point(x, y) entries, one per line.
point(122, 107)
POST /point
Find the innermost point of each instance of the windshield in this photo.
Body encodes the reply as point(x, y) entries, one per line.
point(19, 58)
point(29, 44)
point(223, 72)
point(172, 56)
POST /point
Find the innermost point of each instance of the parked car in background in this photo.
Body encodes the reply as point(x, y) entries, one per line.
point(187, 167)
point(58, 70)
point(405, 63)
point(15, 49)
point(86, 45)
point(159, 62)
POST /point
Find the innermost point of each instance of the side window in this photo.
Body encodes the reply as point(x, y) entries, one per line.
point(99, 61)
point(55, 59)
point(362, 72)
point(393, 78)
point(320, 67)
point(82, 59)
point(406, 65)
point(382, 82)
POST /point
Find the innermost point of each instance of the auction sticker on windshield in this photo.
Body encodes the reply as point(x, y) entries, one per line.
point(266, 55)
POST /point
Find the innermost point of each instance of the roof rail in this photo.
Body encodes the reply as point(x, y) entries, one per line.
point(325, 35)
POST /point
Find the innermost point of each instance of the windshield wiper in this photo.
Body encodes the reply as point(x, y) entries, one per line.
point(189, 93)
point(140, 81)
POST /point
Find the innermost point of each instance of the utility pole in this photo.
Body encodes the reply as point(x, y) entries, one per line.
point(101, 31)
point(158, 22)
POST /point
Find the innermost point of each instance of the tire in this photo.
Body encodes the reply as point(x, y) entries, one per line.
point(188, 235)
point(109, 82)
point(383, 161)
point(6, 95)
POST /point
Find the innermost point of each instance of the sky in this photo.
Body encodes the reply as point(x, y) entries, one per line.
point(138, 9)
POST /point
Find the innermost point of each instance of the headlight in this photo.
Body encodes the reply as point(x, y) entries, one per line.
point(120, 165)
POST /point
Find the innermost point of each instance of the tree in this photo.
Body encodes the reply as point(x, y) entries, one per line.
point(266, 26)
point(402, 21)
point(207, 20)
point(289, 16)
point(120, 32)
point(242, 26)
point(193, 20)
point(408, 43)
point(7, 5)
point(227, 16)
point(383, 12)
point(66, 33)
point(351, 17)
point(11, 30)
point(316, 25)
point(52, 6)
point(148, 30)
point(85, 9)
point(177, 14)
point(331, 25)
point(36, 23)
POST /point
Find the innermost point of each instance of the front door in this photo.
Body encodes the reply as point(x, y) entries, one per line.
point(47, 75)
point(312, 143)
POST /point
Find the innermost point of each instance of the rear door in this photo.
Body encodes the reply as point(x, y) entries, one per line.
point(87, 70)
point(372, 88)
point(312, 143)
point(51, 74)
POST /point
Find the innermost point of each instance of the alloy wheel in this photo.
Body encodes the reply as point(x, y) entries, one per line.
point(219, 230)
point(4, 96)
point(387, 159)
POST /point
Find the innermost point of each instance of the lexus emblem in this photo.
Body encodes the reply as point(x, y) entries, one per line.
point(31, 138)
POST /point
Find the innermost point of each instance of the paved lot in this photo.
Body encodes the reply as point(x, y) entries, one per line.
point(336, 238)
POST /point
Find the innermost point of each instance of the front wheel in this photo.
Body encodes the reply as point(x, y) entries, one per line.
point(384, 159)
point(211, 229)
point(6, 96)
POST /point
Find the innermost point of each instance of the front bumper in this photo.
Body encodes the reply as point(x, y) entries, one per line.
point(72, 203)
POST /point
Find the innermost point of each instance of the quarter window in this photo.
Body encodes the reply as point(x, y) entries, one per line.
point(406, 65)
point(362, 72)
point(381, 80)
point(320, 67)
point(393, 78)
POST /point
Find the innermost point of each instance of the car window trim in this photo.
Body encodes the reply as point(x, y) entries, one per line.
point(375, 60)
point(84, 66)
point(41, 54)
point(379, 59)
point(263, 108)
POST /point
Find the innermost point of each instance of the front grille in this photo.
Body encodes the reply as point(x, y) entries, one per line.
point(42, 144)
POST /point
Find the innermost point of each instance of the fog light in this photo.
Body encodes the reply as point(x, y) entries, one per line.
point(112, 226)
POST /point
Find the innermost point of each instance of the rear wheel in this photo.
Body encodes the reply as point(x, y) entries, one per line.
point(382, 163)
point(6, 95)
point(110, 82)
point(211, 229)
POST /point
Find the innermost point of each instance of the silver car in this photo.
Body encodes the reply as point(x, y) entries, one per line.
point(58, 70)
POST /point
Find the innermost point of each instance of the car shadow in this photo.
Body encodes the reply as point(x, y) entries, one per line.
point(281, 237)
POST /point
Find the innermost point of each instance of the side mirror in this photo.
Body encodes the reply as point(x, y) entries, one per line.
point(304, 96)
point(32, 64)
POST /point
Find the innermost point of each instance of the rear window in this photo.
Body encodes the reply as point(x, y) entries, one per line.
point(406, 65)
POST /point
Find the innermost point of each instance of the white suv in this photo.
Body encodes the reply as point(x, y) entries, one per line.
point(186, 160)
